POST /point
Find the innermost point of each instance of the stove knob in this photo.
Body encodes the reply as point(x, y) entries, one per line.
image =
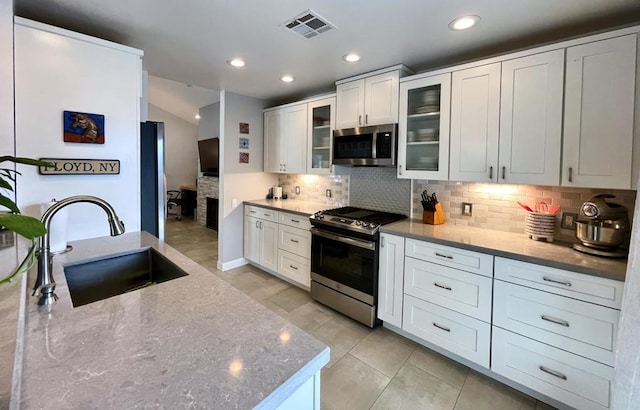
point(320, 216)
point(358, 223)
point(365, 224)
point(373, 225)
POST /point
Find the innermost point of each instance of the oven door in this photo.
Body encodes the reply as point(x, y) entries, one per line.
point(347, 260)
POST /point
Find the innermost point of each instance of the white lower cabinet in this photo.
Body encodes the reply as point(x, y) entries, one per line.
point(566, 377)
point(460, 334)
point(279, 242)
point(390, 279)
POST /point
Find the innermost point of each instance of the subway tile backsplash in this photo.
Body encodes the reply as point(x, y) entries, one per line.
point(495, 207)
point(313, 188)
point(380, 189)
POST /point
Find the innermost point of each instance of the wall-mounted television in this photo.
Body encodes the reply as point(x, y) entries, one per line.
point(209, 156)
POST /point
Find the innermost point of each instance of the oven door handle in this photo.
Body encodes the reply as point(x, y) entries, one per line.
point(350, 241)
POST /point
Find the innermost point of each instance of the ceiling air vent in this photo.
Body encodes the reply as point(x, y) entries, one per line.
point(308, 24)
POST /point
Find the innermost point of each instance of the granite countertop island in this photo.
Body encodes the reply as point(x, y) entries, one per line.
point(511, 245)
point(191, 342)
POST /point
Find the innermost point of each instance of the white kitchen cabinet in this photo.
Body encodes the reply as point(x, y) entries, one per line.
point(371, 100)
point(285, 139)
point(475, 113)
point(598, 119)
point(321, 122)
point(390, 279)
point(423, 130)
point(569, 378)
point(261, 237)
point(506, 121)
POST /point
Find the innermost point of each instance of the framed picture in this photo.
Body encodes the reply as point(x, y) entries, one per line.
point(244, 143)
point(244, 128)
point(244, 157)
point(83, 127)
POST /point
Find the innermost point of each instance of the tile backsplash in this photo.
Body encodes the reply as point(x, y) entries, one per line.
point(380, 189)
point(313, 188)
point(495, 207)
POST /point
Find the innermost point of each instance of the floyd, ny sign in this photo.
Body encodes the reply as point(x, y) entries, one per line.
point(64, 166)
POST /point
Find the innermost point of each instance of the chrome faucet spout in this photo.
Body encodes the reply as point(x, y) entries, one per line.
point(45, 282)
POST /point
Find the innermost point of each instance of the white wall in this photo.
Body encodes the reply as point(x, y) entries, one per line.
point(57, 70)
point(239, 182)
point(209, 123)
point(6, 78)
point(181, 148)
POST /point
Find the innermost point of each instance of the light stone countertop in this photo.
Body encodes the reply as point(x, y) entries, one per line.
point(192, 342)
point(511, 245)
point(291, 205)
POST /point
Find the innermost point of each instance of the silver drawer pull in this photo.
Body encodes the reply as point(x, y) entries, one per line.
point(443, 255)
point(441, 286)
point(294, 241)
point(559, 282)
point(553, 372)
point(295, 221)
point(267, 214)
point(293, 267)
point(253, 212)
point(554, 320)
point(446, 329)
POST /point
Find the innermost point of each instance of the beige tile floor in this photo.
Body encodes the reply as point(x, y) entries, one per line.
point(369, 369)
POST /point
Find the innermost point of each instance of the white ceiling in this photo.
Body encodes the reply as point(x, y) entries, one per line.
point(190, 41)
point(179, 98)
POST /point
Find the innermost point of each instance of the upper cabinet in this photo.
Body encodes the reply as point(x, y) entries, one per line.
point(423, 130)
point(368, 100)
point(285, 139)
point(506, 121)
point(599, 107)
point(321, 122)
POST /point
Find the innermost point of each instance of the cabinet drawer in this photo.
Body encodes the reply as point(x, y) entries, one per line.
point(262, 213)
point(454, 289)
point(593, 289)
point(578, 327)
point(294, 267)
point(294, 240)
point(457, 333)
point(469, 261)
point(294, 220)
point(571, 379)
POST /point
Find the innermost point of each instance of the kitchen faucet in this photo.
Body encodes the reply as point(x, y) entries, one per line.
point(45, 282)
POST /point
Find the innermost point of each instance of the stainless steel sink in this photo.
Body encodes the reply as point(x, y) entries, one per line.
point(114, 275)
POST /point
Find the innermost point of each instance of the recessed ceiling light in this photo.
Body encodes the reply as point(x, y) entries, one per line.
point(351, 57)
point(464, 22)
point(237, 62)
point(197, 116)
point(287, 78)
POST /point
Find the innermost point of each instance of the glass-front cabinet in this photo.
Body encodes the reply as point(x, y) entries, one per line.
point(322, 116)
point(423, 131)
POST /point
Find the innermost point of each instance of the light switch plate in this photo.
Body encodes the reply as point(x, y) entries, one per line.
point(297, 190)
point(328, 193)
point(568, 220)
point(467, 208)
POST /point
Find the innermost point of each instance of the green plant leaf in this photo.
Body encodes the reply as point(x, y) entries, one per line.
point(8, 203)
point(23, 225)
point(4, 184)
point(24, 266)
point(26, 161)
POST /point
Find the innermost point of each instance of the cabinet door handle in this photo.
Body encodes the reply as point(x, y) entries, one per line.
point(382, 242)
point(554, 320)
point(295, 221)
point(359, 119)
point(490, 172)
point(294, 241)
point(559, 282)
point(570, 174)
point(446, 329)
point(366, 119)
point(443, 255)
point(441, 286)
point(400, 169)
point(258, 224)
point(504, 169)
point(553, 372)
point(293, 267)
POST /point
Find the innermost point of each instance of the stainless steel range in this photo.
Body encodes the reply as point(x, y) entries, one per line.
point(344, 260)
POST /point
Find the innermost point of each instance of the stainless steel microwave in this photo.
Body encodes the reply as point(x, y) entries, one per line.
point(374, 146)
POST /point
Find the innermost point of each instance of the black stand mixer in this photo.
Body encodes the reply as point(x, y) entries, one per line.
point(602, 227)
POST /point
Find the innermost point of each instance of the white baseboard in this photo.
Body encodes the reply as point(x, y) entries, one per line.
point(231, 264)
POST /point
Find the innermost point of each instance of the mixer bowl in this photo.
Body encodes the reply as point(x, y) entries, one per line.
point(601, 234)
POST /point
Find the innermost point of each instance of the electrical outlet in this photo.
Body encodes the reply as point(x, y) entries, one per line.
point(569, 220)
point(467, 208)
point(297, 190)
point(328, 193)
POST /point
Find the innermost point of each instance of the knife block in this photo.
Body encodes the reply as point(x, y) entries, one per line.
point(434, 217)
